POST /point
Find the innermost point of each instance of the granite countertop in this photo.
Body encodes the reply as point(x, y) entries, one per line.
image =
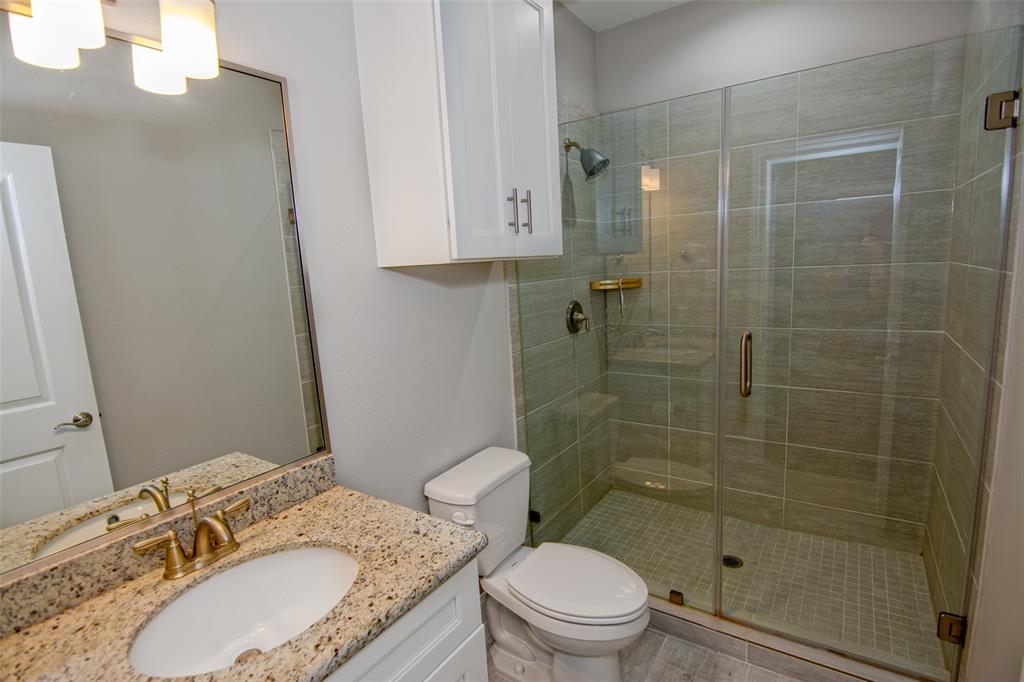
point(403, 555)
point(20, 543)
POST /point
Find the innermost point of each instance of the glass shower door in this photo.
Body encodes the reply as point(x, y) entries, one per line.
point(860, 274)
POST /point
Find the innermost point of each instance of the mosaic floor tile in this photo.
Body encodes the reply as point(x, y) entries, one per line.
point(865, 600)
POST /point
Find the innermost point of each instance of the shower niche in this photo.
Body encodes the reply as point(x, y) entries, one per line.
point(460, 159)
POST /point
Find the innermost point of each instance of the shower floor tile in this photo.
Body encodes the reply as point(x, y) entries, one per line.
point(858, 598)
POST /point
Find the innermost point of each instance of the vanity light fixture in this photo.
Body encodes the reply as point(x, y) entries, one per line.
point(154, 72)
point(650, 178)
point(56, 31)
point(51, 32)
point(188, 32)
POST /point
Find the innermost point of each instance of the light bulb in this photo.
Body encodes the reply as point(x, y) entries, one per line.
point(188, 32)
point(72, 22)
point(155, 73)
point(33, 44)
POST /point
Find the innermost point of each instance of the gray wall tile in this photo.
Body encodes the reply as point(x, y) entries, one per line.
point(759, 298)
point(860, 92)
point(693, 241)
point(639, 398)
point(763, 509)
point(692, 183)
point(761, 237)
point(692, 455)
point(549, 371)
point(633, 135)
point(848, 525)
point(755, 466)
point(692, 405)
point(692, 352)
point(638, 349)
point(551, 429)
point(874, 485)
point(761, 415)
point(695, 123)
point(764, 110)
point(542, 309)
point(762, 174)
point(639, 446)
point(595, 453)
point(693, 298)
point(555, 483)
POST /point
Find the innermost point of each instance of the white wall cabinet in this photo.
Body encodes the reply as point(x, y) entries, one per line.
point(460, 121)
point(440, 640)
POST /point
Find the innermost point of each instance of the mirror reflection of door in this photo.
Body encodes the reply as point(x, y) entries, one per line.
point(44, 366)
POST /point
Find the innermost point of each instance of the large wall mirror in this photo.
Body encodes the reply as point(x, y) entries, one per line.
point(155, 335)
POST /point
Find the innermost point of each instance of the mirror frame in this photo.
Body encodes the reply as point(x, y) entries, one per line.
point(50, 560)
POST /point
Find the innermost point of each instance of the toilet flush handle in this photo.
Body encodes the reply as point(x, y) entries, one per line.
point(461, 519)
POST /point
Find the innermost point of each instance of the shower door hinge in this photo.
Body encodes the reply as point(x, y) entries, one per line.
point(952, 627)
point(1001, 110)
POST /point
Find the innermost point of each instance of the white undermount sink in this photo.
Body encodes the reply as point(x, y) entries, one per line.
point(248, 609)
point(96, 526)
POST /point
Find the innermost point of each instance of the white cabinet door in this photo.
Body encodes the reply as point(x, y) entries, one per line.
point(533, 112)
point(479, 132)
point(44, 368)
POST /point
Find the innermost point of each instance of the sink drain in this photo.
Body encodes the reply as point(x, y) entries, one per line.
point(248, 654)
point(731, 561)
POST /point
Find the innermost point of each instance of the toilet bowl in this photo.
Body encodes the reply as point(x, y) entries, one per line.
point(558, 612)
point(539, 636)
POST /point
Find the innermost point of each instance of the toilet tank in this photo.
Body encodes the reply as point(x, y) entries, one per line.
point(489, 492)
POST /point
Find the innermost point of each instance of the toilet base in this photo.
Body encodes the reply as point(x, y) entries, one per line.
point(565, 667)
point(518, 669)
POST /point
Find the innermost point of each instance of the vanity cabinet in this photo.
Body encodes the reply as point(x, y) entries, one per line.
point(460, 121)
point(441, 639)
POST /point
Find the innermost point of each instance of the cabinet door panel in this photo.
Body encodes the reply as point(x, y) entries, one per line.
point(479, 138)
point(534, 126)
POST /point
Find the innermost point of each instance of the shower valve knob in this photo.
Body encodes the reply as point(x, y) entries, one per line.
point(575, 319)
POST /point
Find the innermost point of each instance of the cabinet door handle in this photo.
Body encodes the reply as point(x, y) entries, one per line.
point(529, 212)
point(746, 363)
point(515, 209)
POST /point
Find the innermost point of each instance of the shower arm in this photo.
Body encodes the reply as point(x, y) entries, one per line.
point(571, 144)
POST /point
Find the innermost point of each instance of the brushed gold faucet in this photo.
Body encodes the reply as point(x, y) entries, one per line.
point(213, 539)
point(160, 496)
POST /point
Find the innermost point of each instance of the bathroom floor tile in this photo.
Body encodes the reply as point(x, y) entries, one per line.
point(863, 599)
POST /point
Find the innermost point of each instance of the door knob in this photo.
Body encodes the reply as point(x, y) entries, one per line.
point(79, 420)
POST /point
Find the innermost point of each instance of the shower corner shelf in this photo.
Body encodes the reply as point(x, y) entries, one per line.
point(616, 284)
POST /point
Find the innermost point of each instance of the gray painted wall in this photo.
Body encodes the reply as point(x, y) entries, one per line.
point(574, 66)
point(415, 361)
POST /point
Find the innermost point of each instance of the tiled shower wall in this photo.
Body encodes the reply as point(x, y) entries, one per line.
point(975, 262)
point(561, 413)
point(297, 293)
point(841, 285)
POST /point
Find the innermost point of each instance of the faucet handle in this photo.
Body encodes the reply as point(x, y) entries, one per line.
point(174, 557)
point(235, 507)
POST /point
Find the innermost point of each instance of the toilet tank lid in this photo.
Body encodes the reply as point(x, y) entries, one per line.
point(467, 482)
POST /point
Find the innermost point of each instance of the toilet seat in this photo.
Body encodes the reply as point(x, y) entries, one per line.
point(578, 585)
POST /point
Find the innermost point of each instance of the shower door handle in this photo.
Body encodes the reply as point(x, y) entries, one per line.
point(529, 211)
point(515, 209)
point(746, 363)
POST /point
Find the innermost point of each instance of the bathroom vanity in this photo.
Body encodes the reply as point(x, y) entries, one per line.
point(412, 610)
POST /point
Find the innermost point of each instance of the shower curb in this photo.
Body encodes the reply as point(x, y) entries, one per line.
point(763, 649)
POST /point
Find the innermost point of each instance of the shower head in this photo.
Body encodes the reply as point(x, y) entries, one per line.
point(594, 162)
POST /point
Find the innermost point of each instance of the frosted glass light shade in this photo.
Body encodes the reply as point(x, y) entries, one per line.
point(74, 22)
point(650, 178)
point(155, 73)
point(188, 32)
point(33, 44)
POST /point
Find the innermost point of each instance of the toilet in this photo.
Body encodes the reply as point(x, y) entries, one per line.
point(558, 612)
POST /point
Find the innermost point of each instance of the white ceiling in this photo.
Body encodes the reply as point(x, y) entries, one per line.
point(601, 15)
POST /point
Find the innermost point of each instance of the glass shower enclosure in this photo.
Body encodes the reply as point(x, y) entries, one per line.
point(778, 412)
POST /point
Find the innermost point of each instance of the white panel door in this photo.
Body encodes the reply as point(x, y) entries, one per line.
point(479, 133)
point(535, 126)
point(43, 362)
